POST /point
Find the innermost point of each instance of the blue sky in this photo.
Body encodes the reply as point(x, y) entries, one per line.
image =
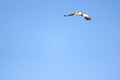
point(38, 43)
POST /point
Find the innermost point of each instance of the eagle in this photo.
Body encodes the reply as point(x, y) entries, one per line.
point(79, 13)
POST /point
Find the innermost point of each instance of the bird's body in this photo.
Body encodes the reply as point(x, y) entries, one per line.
point(79, 13)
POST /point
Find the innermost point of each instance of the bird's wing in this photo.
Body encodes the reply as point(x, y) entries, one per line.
point(72, 14)
point(87, 17)
point(75, 14)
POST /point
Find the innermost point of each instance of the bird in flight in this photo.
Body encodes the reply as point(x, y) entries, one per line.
point(79, 13)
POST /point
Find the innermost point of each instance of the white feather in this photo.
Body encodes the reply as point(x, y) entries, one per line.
point(85, 15)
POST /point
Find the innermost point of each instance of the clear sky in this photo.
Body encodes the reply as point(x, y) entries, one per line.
point(38, 43)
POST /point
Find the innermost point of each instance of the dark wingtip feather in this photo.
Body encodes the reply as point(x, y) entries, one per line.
point(87, 18)
point(65, 15)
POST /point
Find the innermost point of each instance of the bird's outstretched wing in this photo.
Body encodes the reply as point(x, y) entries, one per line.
point(86, 16)
point(72, 14)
